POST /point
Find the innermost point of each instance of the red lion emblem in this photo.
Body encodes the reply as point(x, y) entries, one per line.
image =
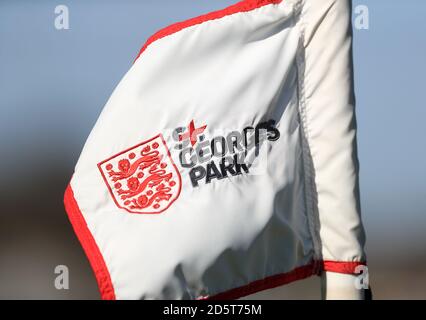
point(144, 178)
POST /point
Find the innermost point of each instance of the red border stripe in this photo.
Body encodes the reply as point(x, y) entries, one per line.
point(89, 246)
point(341, 266)
point(268, 283)
point(242, 6)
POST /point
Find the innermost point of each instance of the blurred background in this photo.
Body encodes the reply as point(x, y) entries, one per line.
point(54, 83)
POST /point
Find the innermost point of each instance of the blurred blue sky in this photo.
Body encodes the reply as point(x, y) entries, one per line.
point(53, 85)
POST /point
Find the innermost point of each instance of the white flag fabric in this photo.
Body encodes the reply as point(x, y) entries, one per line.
point(225, 161)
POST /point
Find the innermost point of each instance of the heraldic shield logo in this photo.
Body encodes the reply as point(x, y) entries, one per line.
point(144, 178)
